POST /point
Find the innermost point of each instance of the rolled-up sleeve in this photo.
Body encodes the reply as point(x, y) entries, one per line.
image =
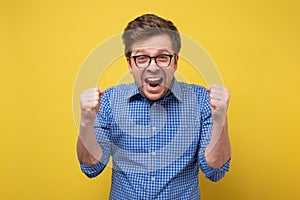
point(213, 174)
point(92, 171)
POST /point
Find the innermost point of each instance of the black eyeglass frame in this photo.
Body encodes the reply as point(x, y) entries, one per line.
point(151, 58)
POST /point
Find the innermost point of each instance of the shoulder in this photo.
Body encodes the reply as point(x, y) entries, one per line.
point(112, 97)
point(197, 94)
point(119, 89)
point(199, 90)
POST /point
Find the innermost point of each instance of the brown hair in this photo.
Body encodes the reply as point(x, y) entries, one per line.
point(150, 25)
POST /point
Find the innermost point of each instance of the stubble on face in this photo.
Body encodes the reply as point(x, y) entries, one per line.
point(154, 86)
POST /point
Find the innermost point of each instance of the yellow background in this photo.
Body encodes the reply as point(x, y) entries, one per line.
point(255, 45)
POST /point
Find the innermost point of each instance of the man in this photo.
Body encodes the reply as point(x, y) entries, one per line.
point(157, 130)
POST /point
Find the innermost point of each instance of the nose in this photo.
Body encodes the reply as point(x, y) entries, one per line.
point(153, 66)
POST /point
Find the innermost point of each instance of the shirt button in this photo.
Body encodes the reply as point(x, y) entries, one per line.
point(153, 128)
point(153, 178)
point(153, 153)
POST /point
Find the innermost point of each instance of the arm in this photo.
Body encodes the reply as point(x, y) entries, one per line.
point(88, 150)
point(209, 152)
point(218, 151)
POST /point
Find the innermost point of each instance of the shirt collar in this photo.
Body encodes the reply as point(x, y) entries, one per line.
point(133, 91)
point(176, 90)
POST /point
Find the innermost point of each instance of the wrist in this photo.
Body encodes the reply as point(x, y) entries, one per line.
point(86, 122)
point(220, 121)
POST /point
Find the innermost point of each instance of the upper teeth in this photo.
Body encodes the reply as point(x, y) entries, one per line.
point(153, 79)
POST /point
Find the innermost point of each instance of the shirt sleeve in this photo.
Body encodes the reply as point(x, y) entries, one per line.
point(103, 132)
point(213, 174)
point(92, 171)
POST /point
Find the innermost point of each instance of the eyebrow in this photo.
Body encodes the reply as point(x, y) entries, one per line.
point(143, 51)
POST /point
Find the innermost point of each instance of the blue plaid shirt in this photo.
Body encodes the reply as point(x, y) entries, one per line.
point(157, 147)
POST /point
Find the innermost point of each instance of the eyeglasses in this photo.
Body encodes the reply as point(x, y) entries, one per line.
point(144, 61)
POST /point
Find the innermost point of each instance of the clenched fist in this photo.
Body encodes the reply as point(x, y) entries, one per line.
point(219, 100)
point(90, 104)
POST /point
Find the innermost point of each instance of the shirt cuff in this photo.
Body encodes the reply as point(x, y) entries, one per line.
point(214, 174)
point(92, 171)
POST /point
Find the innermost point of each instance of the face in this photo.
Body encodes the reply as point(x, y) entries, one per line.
point(153, 81)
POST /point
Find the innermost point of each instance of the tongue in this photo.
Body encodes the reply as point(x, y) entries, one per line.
point(153, 84)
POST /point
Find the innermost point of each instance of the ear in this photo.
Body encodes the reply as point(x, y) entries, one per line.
point(176, 61)
point(129, 64)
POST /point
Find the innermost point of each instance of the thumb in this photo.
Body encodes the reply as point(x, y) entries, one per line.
point(101, 92)
point(209, 87)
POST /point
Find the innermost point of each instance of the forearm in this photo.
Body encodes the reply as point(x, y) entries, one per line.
point(218, 151)
point(88, 149)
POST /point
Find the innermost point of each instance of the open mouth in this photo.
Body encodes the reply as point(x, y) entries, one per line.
point(153, 81)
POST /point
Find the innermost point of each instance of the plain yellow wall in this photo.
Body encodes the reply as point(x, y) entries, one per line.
point(255, 45)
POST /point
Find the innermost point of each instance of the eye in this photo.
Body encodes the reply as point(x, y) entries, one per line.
point(163, 58)
point(141, 59)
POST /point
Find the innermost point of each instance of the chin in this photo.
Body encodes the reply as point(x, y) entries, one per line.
point(154, 93)
point(155, 96)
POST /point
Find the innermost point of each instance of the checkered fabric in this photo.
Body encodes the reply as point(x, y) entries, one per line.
point(156, 147)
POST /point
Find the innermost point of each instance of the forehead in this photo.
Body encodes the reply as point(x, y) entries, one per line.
point(157, 43)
